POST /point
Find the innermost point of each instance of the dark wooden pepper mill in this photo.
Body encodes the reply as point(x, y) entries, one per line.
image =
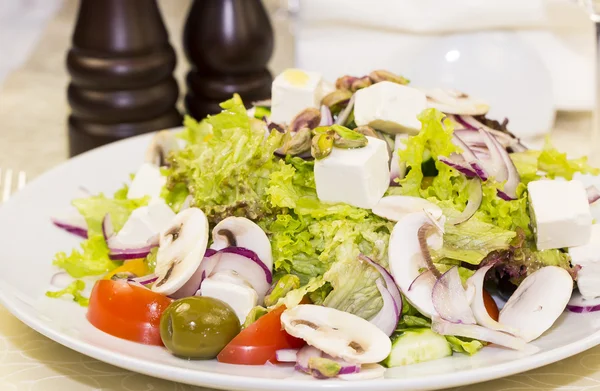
point(121, 66)
point(228, 43)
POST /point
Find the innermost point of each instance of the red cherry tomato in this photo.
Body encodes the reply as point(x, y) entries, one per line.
point(257, 343)
point(127, 311)
point(490, 306)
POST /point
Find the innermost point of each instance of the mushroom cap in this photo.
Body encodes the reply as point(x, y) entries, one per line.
point(181, 249)
point(337, 333)
point(242, 232)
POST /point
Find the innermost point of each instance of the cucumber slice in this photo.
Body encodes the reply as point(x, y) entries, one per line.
point(417, 345)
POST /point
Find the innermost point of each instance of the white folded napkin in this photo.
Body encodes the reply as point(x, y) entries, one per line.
point(527, 57)
point(426, 16)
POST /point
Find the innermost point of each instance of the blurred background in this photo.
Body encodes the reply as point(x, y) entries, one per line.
point(533, 60)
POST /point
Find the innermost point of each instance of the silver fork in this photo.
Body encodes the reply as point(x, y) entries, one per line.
point(6, 183)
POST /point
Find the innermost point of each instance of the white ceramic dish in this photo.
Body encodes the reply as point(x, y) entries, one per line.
point(29, 241)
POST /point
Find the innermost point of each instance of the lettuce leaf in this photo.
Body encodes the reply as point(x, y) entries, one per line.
point(354, 289)
point(91, 260)
point(473, 240)
point(551, 162)
point(74, 289)
point(435, 139)
point(522, 258)
point(464, 345)
point(94, 208)
point(321, 239)
point(226, 165)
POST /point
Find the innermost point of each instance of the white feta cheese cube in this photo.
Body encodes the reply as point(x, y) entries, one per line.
point(389, 107)
point(145, 222)
point(241, 298)
point(560, 213)
point(587, 257)
point(293, 91)
point(358, 176)
point(148, 181)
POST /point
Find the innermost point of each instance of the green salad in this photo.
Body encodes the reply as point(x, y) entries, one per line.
point(355, 234)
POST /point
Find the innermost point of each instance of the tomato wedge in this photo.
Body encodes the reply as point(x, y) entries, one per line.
point(257, 343)
point(127, 311)
point(490, 305)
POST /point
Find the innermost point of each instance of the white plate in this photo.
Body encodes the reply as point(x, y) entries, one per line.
point(29, 242)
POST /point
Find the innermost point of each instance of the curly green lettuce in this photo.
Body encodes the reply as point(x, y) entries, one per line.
point(226, 165)
point(90, 260)
point(434, 140)
point(551, 163)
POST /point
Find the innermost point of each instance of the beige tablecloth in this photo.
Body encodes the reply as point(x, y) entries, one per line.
point(33, 111)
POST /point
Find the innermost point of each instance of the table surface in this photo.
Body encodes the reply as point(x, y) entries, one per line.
point(33, 111)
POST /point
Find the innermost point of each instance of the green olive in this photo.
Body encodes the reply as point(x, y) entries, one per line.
point(198, 327)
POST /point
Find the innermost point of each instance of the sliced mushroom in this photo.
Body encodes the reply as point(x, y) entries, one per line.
point(181, 249)
point(337, 333)
point(241, 232)
point(451, 101)
point(538, 302)
point(407, 260)
point(163, 143)
point(395, 208)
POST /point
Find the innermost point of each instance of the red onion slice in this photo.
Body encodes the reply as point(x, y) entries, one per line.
point(343, 116)
point(135, 283)
point(347, 368)
point(513, 179)
point(286, 355)
point(304, 355)
point(580, 305)
point(124, 251)
point(307, 352)
point(367, 372)
point(481, 333)
point(145, 280)
point(246, 264)
point(471, 137)
point(326, 117)
point(390, 283)
point(205, 269)
point(450, 299)
point(482, 153)
point(387, 318)
point(458, 163)
point(498, 166)
point(73, 222)
point(469, 122)
point(107, 228)
point(473, 204)
point(593, 194)
point(426, 277)
point(470, 157)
